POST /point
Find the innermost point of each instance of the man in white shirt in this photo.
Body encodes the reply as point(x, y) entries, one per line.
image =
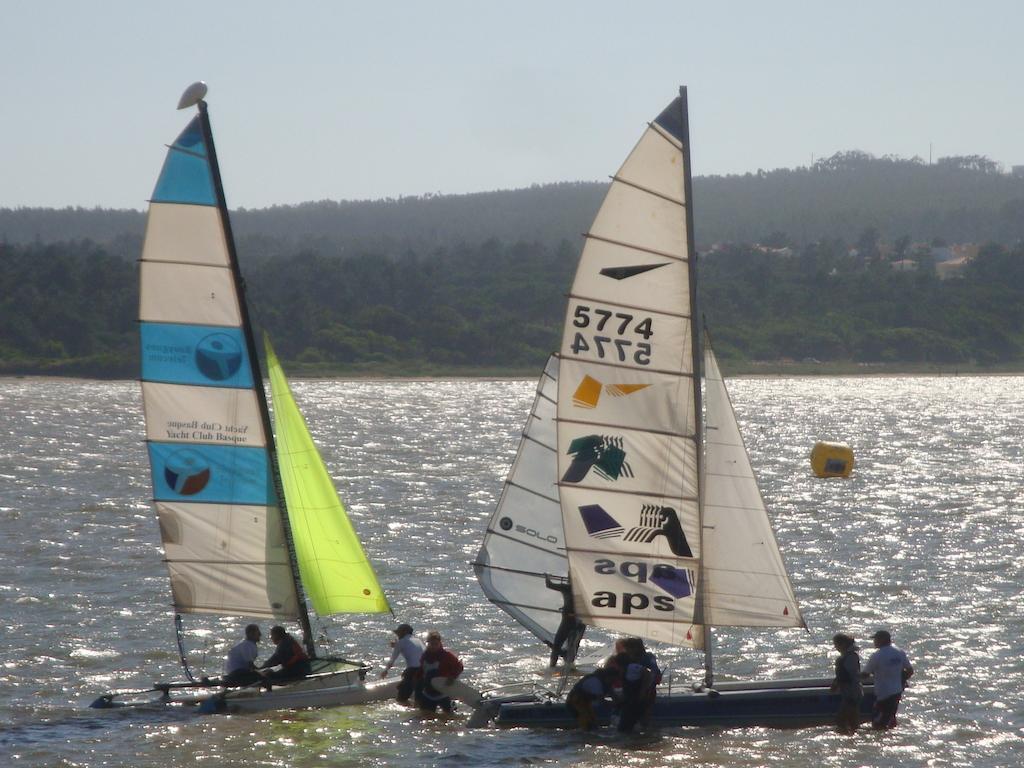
point(891, 669)
point(240, 667)
point(411, 649)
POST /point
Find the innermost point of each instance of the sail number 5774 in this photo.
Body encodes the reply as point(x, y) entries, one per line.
point(606, 330)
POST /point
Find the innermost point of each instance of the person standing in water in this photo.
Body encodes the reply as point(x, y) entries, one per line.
point(411, 649)
point(847, 684)
point(437, 662)
point(891, 669)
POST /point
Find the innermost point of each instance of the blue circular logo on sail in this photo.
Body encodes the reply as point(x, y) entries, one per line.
point(186, 472)
point(218, 356)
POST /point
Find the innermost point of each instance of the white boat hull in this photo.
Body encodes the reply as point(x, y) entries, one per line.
point(333, 690)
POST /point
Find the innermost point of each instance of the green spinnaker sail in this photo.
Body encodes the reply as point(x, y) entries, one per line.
point(335, 572)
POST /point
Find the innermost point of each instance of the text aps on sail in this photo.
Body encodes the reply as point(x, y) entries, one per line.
point(665, 531)
point(249, 518)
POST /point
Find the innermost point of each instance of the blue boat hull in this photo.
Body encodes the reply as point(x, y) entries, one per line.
point(797, 707)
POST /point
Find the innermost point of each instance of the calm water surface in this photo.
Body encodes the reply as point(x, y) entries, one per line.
point(925, 539)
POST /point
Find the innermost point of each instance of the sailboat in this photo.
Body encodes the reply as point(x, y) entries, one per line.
point(249, 518)
point(666, 534)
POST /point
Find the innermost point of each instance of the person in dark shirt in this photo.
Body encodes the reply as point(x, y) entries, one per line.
point(570, 629)
point(590, 690)
point(847, 684)
point(289, 655)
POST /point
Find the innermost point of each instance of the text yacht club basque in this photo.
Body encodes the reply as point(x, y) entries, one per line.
point(194, 430)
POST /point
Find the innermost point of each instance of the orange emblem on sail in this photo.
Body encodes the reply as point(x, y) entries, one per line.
point(588, 393)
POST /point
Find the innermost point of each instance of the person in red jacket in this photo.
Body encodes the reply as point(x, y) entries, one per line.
point(289, 655)
point(436, 662)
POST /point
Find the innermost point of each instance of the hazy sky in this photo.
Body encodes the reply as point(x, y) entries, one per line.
point(382, 98)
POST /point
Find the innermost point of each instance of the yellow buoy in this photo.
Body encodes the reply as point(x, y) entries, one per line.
point(832, 459)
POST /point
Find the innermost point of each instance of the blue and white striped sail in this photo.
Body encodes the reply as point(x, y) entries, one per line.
point(222, 532)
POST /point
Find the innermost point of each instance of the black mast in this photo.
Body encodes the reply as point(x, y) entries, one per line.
point(698, 365)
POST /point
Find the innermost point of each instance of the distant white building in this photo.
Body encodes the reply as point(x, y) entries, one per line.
point(904, 265)
point(960, 257)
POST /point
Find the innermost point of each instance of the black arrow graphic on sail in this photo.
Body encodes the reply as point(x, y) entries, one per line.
point(621, 273)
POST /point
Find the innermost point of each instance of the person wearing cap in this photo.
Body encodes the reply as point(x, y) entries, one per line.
point(437, 662)
point(891, 669)
point(411, 649)
point(847, 683)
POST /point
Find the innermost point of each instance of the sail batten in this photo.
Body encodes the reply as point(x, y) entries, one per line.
point(637, 307)
point(524, 489)
point(634, 247)
point(642, 188)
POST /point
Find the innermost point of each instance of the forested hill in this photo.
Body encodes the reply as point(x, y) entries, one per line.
point(959, 200)
point(547, 214)
point(836, 263)
point(70, 308)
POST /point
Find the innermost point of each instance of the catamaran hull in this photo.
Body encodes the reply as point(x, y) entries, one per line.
point(798, 707)
point(309, 692)
point(330, 690)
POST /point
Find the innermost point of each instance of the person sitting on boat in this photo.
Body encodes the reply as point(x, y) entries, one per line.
point(847, 683)
point(240, 665)
point(436, 662)
point(289, 655)
point(588, 691)
point(411, 649)
point(570, 629)
point(891, 669)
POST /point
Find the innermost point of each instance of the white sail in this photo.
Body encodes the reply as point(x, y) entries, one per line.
point(524, 539)
point(628, 443)
point(745, 578)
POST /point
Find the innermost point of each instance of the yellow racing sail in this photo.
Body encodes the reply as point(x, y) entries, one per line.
point(335, 572)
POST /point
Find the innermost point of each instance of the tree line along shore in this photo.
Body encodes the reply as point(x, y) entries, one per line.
point(854, 265)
